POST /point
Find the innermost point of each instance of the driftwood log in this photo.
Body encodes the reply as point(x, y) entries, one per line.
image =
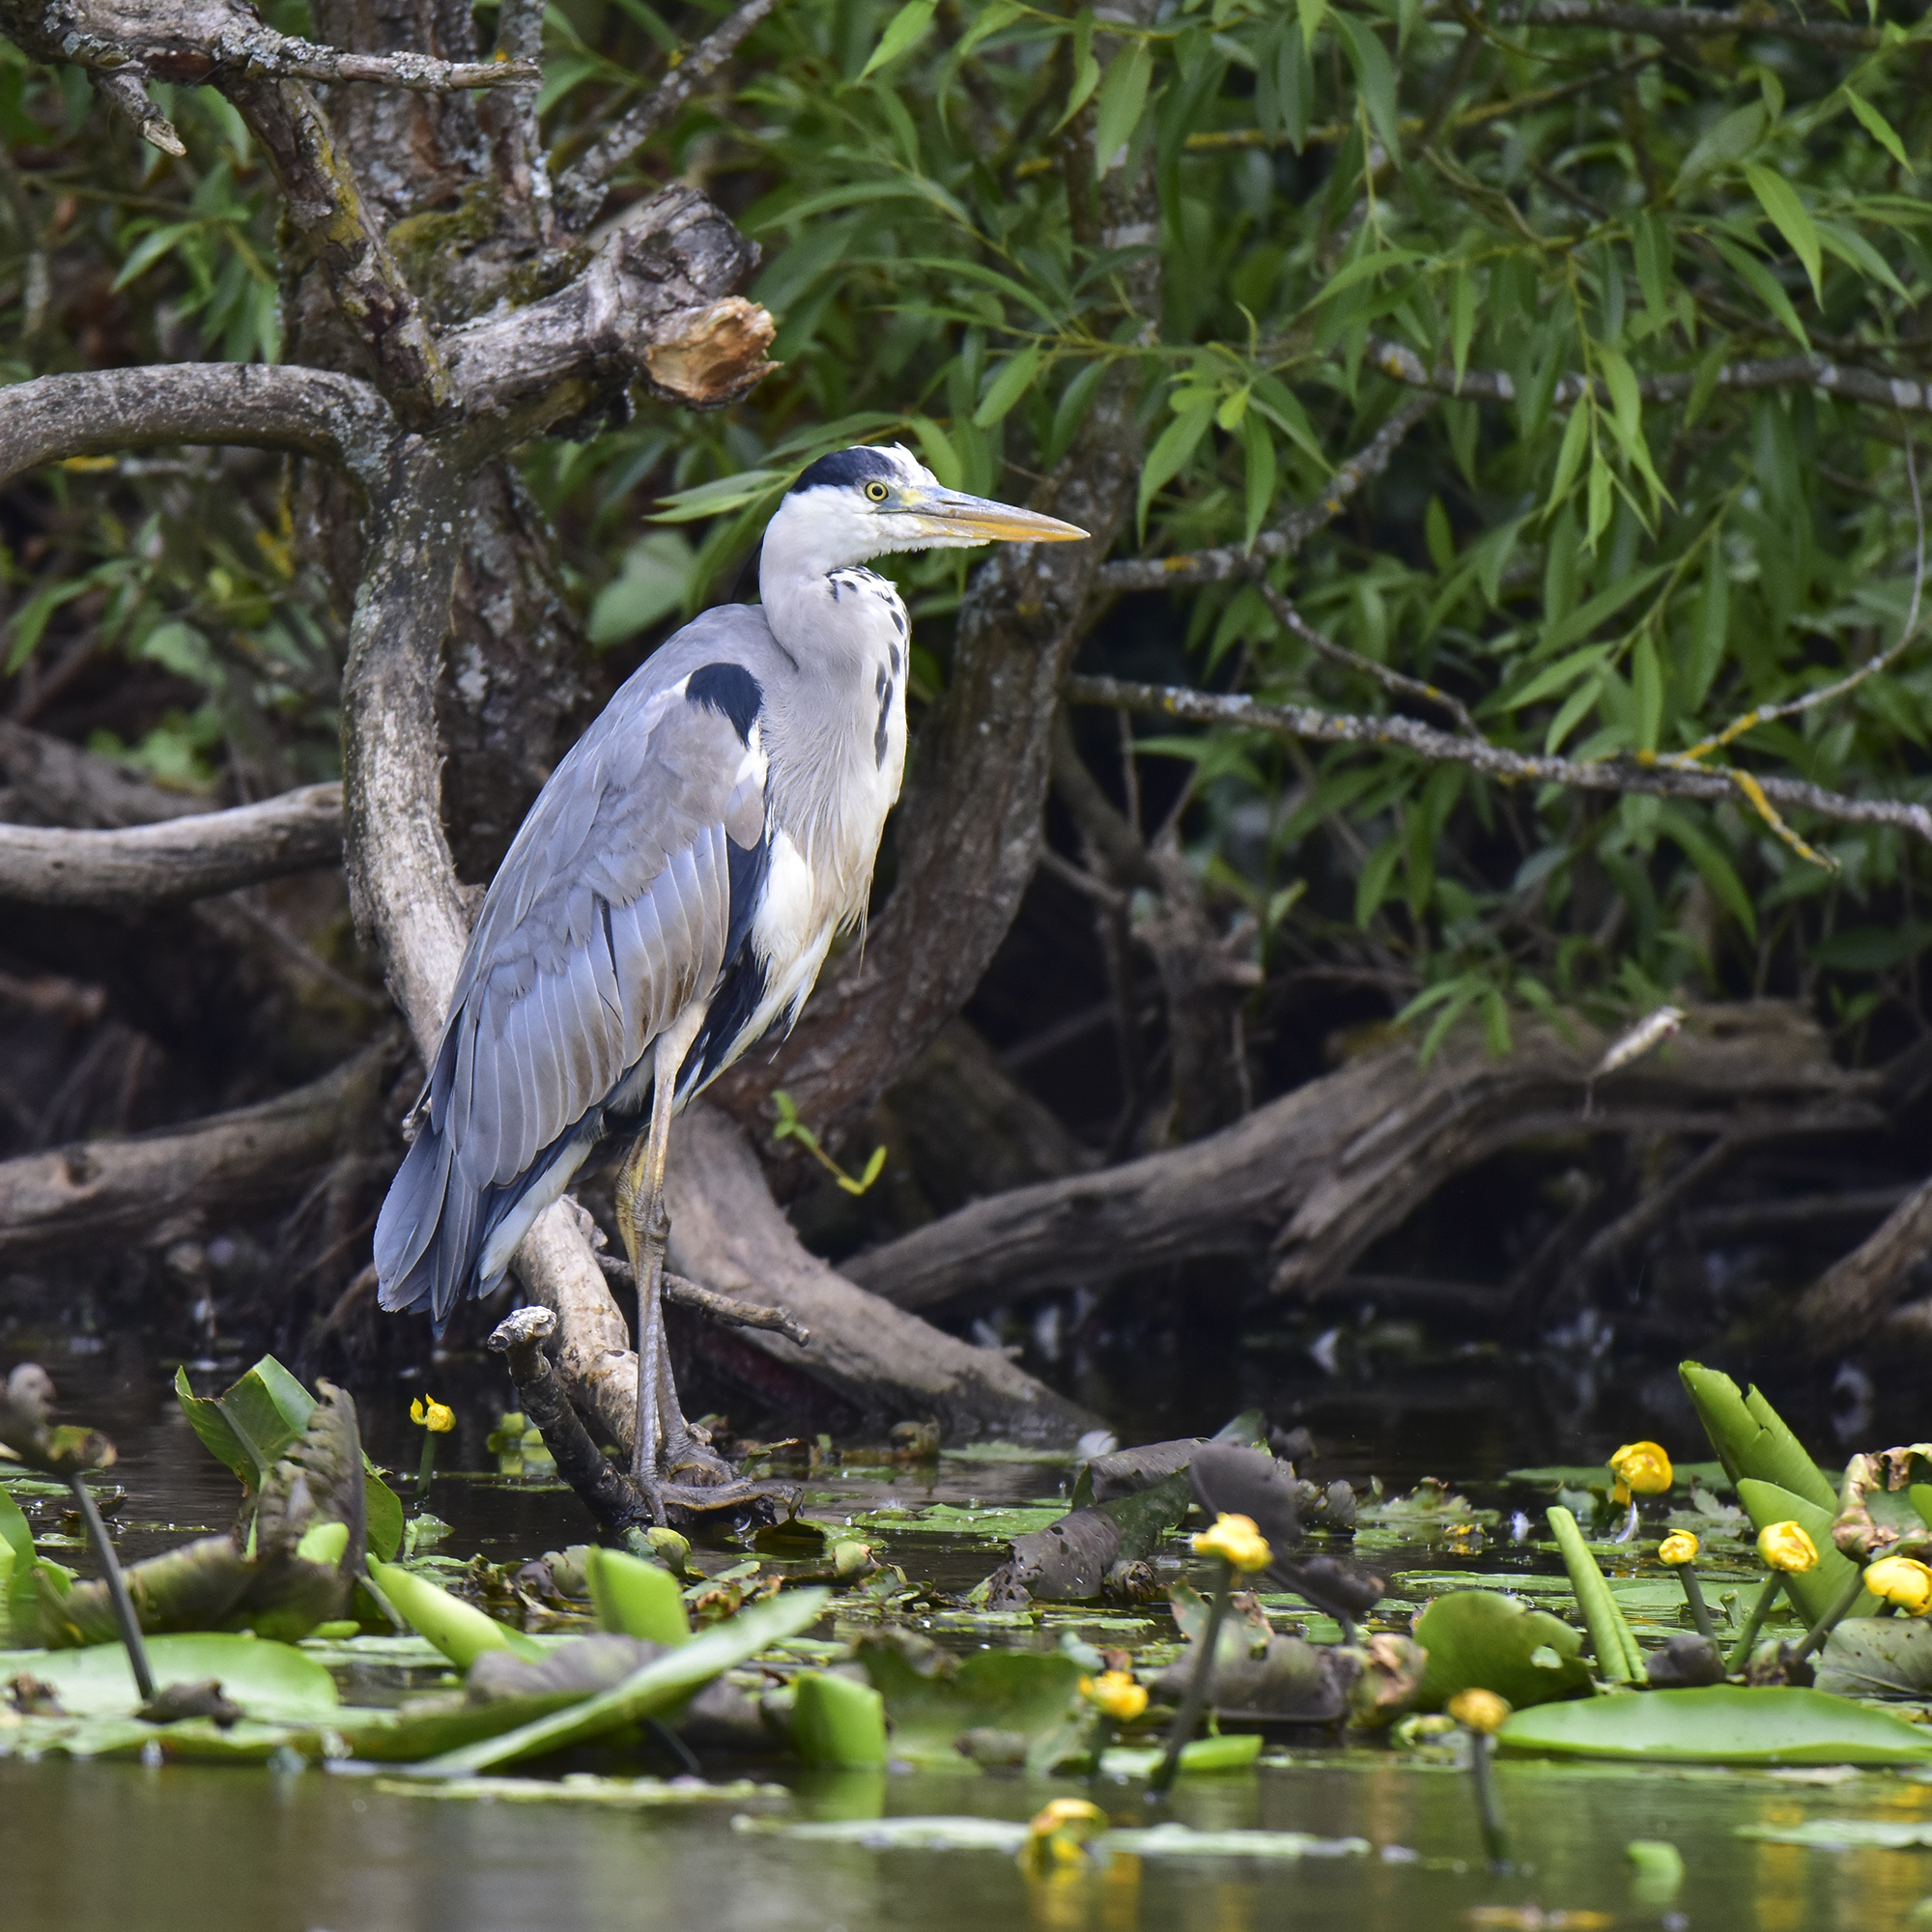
point(1311, 1181)
point(152, 1188)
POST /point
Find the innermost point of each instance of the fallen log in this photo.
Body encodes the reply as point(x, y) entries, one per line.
point(158, 1186)
point(728, 1233)
point(1313, 1180)
point(1856, 1294)
point(190, 858)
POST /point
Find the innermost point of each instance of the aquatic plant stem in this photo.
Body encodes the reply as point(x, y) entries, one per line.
point(1753, 1623)
point(1488, 1806)
point(117, 1588)
point(1823, 1627)
point(426, 1468)
point(1199, 1685)
point(1693, 1595)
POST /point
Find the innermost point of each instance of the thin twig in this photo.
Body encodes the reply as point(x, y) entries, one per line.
point(722, 1308)
point(1425, 741)
point(1402, 364)
point(1672, 22)
point(1765, 714)
point(581, 188)
point(1215, 566)
point(1394, 681)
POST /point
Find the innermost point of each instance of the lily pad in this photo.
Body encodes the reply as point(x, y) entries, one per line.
point(581, 1787)
point(1725, 1724)
point(268, 1679)
point(1477, 1638)
point(1878, 1657)
point(933, 1697)
point(1846, 1834)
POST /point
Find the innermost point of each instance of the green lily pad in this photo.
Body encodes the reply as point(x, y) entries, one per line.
point(933, 1698)
point(1878, 1657)
point(1723, 1724)
point(268, 1679)
point(1232, 1751)
point(583, 1787)
point(1846, 1834)
point(1480, 1639)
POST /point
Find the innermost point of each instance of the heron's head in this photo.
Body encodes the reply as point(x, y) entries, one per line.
point(860, 503)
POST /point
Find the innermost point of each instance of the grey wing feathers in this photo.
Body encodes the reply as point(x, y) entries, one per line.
point(609, 914)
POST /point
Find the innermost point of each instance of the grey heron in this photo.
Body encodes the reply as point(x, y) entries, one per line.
point(672, 896)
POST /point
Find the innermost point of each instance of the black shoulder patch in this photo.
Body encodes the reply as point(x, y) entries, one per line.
point(731, 690)
point(846, 469)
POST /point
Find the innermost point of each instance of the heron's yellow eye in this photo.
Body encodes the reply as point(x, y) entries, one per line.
point(877, 492)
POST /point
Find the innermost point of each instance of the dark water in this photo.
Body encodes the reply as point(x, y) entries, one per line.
point(85, 1846)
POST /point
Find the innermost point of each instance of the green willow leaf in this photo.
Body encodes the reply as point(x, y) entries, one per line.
point(1792, 220)
point(1172, 448)
point(903, 31)
point(1122, 100)
point(1013, 379)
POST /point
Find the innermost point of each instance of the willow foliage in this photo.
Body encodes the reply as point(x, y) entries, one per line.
point(1627, 532)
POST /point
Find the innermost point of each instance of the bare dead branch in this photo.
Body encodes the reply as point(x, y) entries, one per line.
point(1217, 566)
point(1314, 1178)
point(1423, 741)
point(1402, 364)
point(125, 90)
point(310, 411)
point(580, 190)
point(179, 858)
point(154, 1186)
point(1680, 22)
point(654, 305)
point(191, 42)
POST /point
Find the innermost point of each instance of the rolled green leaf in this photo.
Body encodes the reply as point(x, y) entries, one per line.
point(459, 1630)
point(634, 1598)
point(1814, 1591)
point(1751, 1437)
point(838, 1721)
point(1618, 1656)
point(659, 1686)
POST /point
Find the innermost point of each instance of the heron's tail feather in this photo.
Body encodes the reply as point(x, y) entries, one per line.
point(427, 1235)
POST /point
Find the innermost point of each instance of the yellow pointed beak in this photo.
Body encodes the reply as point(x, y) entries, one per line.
point(953, 515)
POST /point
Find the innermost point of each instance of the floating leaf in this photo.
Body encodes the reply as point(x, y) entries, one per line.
point(1878, 1657)
point(838, 1721)
point(268, 1679)
point(1725, 1724)
point(1481, 1639)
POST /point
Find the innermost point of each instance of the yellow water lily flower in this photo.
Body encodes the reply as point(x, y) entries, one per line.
point(1237, 1543)
point(1115, 1694)
point(1060, 1832)
point(1479, 1709)
point(437, 1417)
point(1642, 1470)
point(1903, 1580)
point(1786, 1547)
point(1679, 1546)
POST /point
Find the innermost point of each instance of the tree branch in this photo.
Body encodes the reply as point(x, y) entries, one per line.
point(307, 411)
point(1402, 364)
point(1677, 23)
point(1857, 1292)
point(188, 858)
point(580, 191)
point(101, 1193)
point(1217, 566)
point(654, 305)
point(1423, 741)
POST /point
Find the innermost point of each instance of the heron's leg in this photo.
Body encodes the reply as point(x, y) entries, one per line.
point(646, 1229)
